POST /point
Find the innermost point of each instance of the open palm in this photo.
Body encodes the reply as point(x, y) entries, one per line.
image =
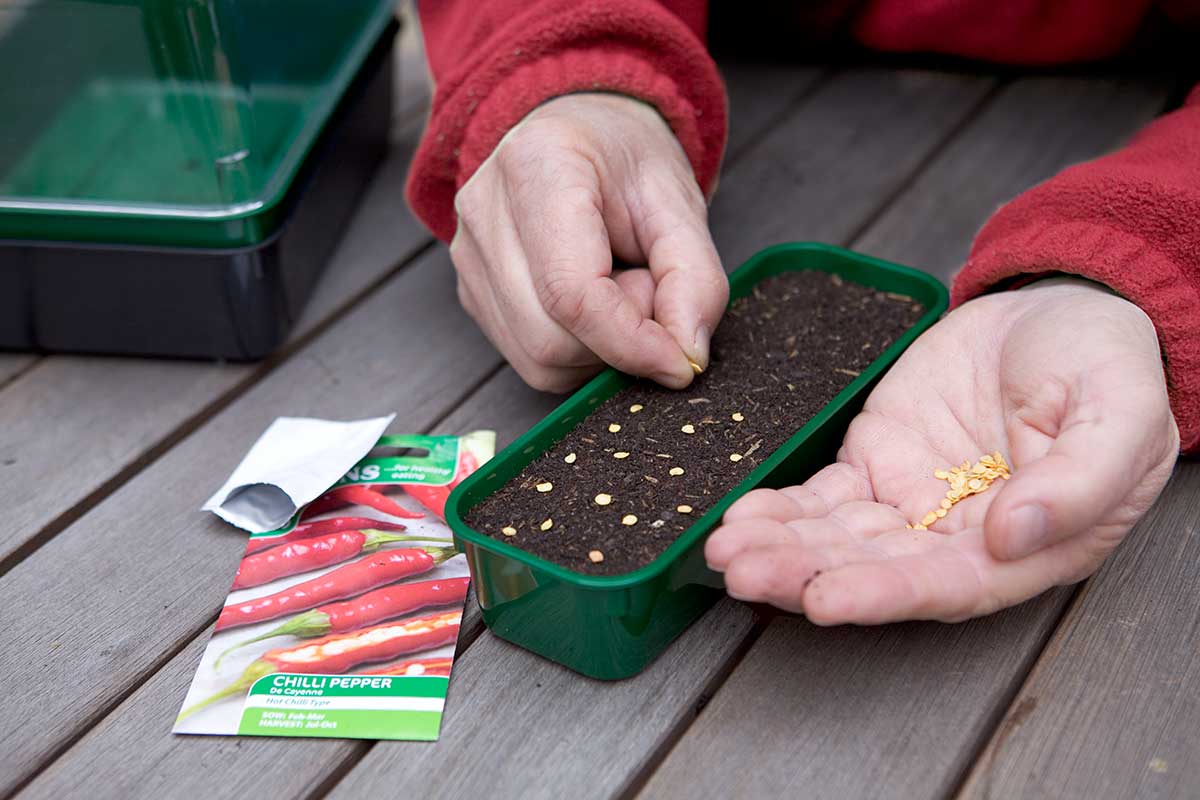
point(1063, 378)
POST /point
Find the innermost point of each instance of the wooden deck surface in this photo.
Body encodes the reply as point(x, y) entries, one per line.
point(110, 579)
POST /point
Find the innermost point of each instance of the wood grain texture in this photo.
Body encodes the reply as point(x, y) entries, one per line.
point(754, 92)
point(413, 85)
point(1112, 708)
point(838, 157)
point(580, 738)
point(13, 364)
point(140, 574)
point(173, 766)
point(897, 711)
point(1036, 127)
point(601, 738)
point(75, 424)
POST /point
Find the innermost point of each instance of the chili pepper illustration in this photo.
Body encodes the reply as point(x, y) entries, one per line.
point(309, 554)
point(434, 497)
point(367, 609)
point(419, 666)
point(321, 527)
point(348, 580)
point(342, 652)
point(358, 495)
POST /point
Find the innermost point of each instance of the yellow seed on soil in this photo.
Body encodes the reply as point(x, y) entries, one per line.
point(570, 459)
point(509, 530)
point(629, 519)
point(603, 499)
point(696, 368)
point(684, 509)
point(547, 524)
point(636, 407)
point(596, 556)
point(676, 471)
point(621, 454)
point(735, 457)
point(736, 416)
point(544, 487)
point(689, 428)
point(613, 428)
point(929, 518)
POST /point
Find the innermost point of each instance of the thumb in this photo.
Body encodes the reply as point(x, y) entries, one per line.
point(1090, 469)
point(691, 287)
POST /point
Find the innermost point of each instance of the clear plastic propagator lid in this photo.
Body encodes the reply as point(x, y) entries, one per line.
point(179, 122)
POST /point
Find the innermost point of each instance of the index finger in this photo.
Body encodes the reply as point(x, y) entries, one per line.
point(570, 262)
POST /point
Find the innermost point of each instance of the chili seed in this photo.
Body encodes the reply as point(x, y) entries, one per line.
point(544, 487)
point(596, 556)
point(688, 429)
point(676, 471)
point(684, 509)
point(736, 416)
point(509, 530)
point(603, 499)
point(570, 459)
point(735, 457)
point(613, 428)
point(629, 519)
point(547, 524)
point(636, 407)
point(929, 518)
point(621, 454)
point(696, 368)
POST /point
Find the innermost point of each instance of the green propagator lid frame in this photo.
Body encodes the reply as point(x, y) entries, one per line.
point(167, 122)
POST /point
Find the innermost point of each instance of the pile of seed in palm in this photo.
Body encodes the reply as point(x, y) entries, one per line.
point(620, 487)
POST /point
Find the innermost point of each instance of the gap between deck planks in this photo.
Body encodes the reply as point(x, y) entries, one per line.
point(516, 408)
point(901, 710)
point(1112, 707)
point(929, 119)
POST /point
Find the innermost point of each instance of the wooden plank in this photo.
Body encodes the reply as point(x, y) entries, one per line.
point(836, 159)
point(1066, 120)
point(413, 86)
point(900, 710)
point(1112, 708)
point(506, 399)
point(13, 364)
point(162, 765)
point(107, 416)
point(753, 111)
point(100, 606)
point(602, 737)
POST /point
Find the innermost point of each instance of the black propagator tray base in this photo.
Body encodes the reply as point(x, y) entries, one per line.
point(235, 304)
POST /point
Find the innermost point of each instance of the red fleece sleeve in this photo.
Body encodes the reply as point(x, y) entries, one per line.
point(493, 62)
point(1128, 220)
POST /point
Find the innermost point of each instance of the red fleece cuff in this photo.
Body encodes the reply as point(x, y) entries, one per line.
point(632, 49)
point(1121, 261)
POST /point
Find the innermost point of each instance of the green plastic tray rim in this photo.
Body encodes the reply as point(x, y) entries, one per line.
point(464, 497)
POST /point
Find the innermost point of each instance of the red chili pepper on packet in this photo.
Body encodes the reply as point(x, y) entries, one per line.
point(358, 571)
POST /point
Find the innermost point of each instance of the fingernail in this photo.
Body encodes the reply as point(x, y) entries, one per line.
point(1030, 529)
point(698, 355)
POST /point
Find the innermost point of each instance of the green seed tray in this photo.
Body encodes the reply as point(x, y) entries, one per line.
point(612, 626)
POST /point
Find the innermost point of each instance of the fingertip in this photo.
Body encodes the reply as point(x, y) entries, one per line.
point(825, 602)
point(1015, 531)
point(747, 577)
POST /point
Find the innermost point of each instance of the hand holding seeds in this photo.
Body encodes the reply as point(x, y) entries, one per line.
point(1009, 450)
point(582, 178)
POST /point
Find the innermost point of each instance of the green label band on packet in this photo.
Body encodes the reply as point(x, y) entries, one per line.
point(433, 465)
point(345, 706)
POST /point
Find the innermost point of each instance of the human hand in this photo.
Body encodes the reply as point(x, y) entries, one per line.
point(1062, 377)
point(581, 178)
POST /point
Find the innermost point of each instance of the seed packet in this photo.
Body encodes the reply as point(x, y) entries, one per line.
point(343, 623)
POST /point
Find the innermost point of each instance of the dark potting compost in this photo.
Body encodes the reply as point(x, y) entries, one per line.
point(620, 487)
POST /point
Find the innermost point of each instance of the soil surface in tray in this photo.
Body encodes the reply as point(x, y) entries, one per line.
point(780, 354)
